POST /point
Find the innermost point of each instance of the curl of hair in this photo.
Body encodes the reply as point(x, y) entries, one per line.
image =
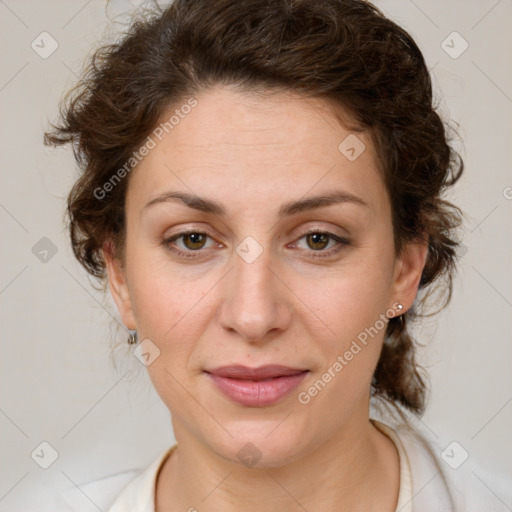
point(344, 51)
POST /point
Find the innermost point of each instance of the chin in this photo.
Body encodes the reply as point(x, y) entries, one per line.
point(264, 443)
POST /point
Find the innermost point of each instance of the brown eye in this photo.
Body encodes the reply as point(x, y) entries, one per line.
point(317, 241)
point(194, 241)
point(322, 244)
point(189, 244)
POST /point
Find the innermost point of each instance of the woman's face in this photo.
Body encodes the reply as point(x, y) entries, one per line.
point(251, 287)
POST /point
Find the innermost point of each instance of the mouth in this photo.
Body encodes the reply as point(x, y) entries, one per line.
point(256, 387)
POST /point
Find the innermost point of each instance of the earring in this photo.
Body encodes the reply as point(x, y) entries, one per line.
point(399, 307)
point(132, 338)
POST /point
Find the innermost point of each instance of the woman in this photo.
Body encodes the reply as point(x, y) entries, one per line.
point(262, 189)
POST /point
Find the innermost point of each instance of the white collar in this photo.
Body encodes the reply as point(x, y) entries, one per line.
point(423, 484)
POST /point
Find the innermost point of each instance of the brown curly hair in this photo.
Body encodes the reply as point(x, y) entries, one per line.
point(344, 51)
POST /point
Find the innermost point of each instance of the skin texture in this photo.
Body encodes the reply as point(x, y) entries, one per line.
point(252, 154)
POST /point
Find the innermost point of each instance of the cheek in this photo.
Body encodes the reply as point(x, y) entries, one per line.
point(347, 323)
point(165, 307)
point(348, 336)
point(348, 299)
point(168, 301)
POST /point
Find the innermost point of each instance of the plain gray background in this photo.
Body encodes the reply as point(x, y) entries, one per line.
point(58, 381)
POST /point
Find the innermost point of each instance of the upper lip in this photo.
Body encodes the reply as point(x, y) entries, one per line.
point(259, 373)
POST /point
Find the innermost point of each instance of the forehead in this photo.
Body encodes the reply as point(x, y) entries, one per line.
point(251, 121)
point(266, 143)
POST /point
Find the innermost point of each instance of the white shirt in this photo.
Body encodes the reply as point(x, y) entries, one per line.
point(427, 483)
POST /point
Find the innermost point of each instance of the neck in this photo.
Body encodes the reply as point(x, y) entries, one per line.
point(358, 469)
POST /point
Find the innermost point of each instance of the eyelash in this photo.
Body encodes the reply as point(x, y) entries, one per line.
point(324, 254)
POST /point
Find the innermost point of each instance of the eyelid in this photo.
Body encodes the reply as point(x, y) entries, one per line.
point(167, 240)
point(341, 242)
point(324, 231)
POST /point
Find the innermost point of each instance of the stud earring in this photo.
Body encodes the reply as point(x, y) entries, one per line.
point(132, 338)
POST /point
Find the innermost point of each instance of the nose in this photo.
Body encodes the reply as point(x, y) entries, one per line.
point(255, 300)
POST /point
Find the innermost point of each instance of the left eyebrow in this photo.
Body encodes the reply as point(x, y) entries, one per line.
point(292, 208)
point(327, 199)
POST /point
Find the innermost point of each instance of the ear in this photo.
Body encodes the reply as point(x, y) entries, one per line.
point(118, 286)
point(408, 269)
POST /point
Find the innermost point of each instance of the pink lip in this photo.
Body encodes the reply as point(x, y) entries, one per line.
point(256, 387)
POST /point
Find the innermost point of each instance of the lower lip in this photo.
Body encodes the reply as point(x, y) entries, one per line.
point(257, 393)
